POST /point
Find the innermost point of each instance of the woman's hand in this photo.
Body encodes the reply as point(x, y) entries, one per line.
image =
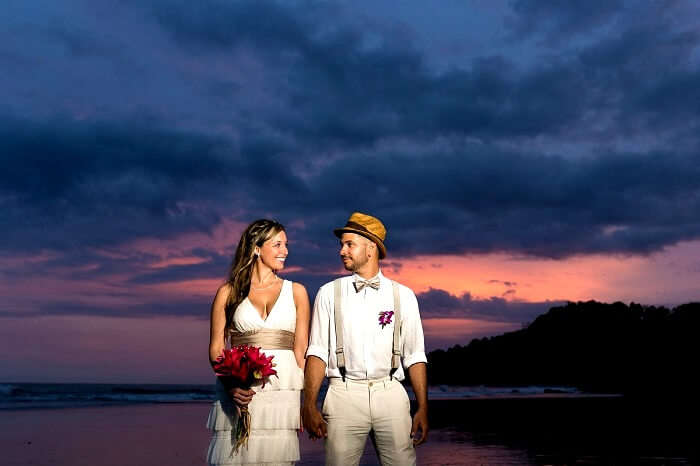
point(241, 396)
point(301, 420)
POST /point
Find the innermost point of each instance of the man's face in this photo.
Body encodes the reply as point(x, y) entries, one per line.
point(353, 251)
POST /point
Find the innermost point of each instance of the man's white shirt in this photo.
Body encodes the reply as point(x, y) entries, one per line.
point(367, 344)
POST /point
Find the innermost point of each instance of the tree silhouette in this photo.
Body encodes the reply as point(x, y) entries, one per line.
point(594, 346)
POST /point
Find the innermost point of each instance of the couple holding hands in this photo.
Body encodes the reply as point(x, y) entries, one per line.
point(365, 331)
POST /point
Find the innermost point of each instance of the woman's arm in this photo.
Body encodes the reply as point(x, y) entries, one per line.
point(217, 321)
point(301, 334)
point(217, 342)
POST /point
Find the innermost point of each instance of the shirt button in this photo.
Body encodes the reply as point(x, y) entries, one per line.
point(371, 383)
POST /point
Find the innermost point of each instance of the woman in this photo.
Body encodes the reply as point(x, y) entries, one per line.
point(258, 308)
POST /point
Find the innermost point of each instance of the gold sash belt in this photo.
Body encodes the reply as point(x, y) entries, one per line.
point(265, 338)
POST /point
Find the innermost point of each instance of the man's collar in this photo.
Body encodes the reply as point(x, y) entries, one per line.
point(379, 275)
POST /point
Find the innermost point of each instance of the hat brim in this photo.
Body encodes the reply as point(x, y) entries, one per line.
point(380, 244)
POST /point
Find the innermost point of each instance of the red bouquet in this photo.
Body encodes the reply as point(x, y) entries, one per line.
point(245, 365)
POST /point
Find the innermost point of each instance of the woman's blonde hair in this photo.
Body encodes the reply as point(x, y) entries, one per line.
point(241, 269)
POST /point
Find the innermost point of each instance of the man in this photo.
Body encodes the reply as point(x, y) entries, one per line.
point(363, 327)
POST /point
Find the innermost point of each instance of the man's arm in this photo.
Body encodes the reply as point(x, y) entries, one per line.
point(314, 373)
point(414, 358)
point(316, 361)
point(419, 381)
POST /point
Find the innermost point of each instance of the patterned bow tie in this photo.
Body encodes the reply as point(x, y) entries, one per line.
point(360, 284)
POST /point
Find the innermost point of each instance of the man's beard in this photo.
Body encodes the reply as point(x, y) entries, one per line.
point(349, 266)
point(352, 265)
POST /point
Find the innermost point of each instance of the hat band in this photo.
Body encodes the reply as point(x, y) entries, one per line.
point(357, 226)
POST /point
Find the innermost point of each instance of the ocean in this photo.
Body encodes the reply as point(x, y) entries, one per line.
point(64, 395)
point(50, 395)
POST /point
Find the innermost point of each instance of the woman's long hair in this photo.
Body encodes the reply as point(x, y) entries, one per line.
point(242, 265)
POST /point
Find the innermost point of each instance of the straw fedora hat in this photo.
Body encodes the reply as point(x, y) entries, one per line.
point(367, 226)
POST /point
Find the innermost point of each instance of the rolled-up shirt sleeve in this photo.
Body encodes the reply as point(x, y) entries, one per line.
point(319, 335)
point(413, 345)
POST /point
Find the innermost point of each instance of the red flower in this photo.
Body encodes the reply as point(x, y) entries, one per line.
point(261, 365)
point(245, 364)
point(233, 363)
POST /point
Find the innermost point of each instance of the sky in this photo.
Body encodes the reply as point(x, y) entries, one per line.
point(522, 154)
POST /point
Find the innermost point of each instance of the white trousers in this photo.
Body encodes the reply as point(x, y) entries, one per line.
point(355, 408)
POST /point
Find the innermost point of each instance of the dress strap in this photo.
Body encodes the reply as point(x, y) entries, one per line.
point(267, 338)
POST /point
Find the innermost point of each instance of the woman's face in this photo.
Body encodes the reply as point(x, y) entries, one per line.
point(274, 251)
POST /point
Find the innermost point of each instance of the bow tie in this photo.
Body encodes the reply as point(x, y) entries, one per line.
point(360, 284)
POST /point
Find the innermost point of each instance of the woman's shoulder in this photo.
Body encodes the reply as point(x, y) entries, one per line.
point(298, 290)
point(223, 292)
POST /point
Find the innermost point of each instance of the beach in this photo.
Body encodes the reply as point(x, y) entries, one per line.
point(495, 431)
point(172, 434)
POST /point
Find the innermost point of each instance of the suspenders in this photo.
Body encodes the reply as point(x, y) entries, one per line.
point(339, 348)
point(339, 352)
point(395, 348)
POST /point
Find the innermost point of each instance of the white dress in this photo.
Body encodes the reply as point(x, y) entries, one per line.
point(274, 409)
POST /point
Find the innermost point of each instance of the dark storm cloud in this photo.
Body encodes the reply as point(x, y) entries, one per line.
point(80, 43)
point(476, 199)
point(469, 158)
point(440, 303)
point(46, 162)
point(650, 74)
point(99, 183)
point(557, 19)
point(227, 24)
point(94, 184)
point(340, 87)
point(636, 61)
point(345, 91)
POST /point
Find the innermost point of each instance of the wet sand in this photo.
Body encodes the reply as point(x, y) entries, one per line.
point(172, 434)
point(515, 431)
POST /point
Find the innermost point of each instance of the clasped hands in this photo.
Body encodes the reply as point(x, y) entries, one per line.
point(313, 422)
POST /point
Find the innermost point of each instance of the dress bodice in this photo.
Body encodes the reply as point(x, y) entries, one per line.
point(282, 315)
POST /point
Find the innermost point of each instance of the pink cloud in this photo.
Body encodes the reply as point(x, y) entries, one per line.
point(667, 277)
point(441, 333)
point(222, 240)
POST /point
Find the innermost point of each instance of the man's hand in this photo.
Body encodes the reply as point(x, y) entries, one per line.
point(241, 396)
point(310, 416)
point(419, 381)
point(420, 424)
point(314, 423)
